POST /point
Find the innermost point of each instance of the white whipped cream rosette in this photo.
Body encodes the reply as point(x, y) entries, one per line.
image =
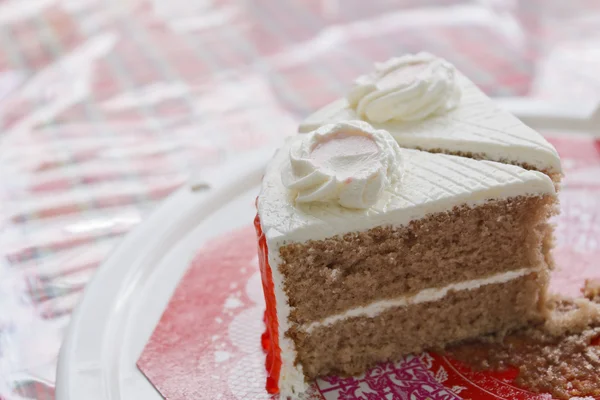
point(407, 88)
point(349, 162)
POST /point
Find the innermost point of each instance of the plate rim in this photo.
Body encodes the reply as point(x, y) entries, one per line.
point(223, 184)
point(223, 178)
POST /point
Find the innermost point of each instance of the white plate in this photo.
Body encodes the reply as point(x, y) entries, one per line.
point(123, 303)
point(126, 298)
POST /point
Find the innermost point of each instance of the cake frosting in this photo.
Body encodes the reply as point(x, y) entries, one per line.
point(407, 88)
point(348, 162)
point(469, 123)
point(291, 375)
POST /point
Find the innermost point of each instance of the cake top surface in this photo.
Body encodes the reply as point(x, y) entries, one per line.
point(422, 183)
point(425, 103)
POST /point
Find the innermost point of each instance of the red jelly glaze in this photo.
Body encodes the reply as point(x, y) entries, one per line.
point(269, 339)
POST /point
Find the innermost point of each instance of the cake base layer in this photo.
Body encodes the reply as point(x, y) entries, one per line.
point(327, 277)
point(351, 346)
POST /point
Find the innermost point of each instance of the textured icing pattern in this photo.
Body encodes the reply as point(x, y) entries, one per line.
point(431, 183)
point(477, 126)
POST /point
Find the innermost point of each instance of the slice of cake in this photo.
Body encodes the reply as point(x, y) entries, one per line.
point(369, 252)
point(426, 104)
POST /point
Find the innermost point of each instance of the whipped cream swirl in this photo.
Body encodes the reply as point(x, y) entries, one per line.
point(407, 88)
point(349, 162)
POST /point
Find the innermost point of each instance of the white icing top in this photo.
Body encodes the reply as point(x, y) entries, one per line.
point(430, 183)
point(407, 88)
point(349, 163)
point(476, 126)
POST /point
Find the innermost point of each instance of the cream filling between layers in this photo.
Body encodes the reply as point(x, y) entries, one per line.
point(424, 296)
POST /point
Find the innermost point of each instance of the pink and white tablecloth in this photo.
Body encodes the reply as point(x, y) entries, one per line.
point(106, 107)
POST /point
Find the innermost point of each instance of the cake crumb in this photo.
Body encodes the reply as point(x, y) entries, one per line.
point(560, 357)
point(591, 290)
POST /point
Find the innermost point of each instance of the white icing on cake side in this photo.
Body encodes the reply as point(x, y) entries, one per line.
point(291, 377)
point(431, 183)
point(424, 296)
point(476, 125)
